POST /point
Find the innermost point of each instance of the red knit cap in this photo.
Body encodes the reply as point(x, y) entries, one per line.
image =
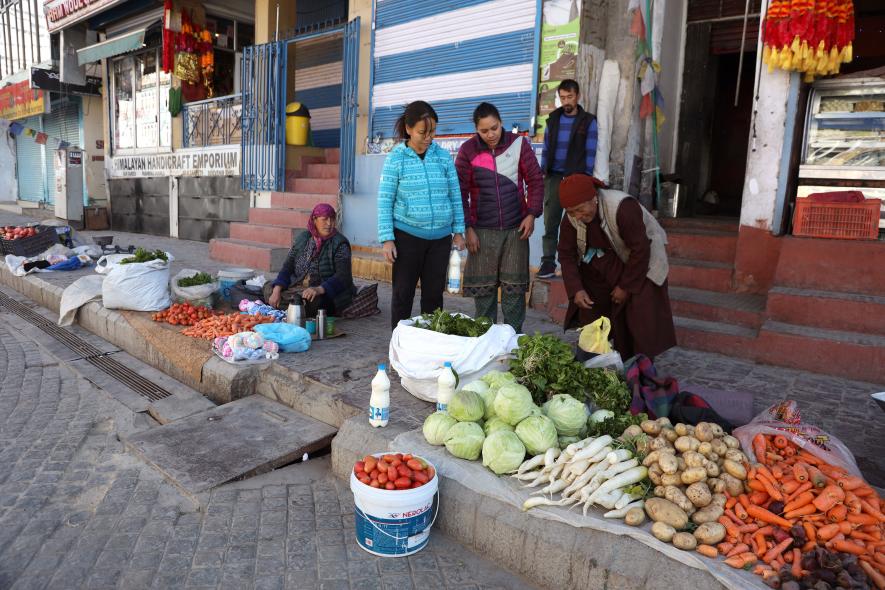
point(577, 188)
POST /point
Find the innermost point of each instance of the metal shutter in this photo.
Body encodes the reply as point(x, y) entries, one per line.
point(64, 123)
point(454, 54)
point(29, 161)
point(318, 79)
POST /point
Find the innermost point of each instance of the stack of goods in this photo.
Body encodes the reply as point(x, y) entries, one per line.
point(225, 325)
point(258, 307)
point(245, 346)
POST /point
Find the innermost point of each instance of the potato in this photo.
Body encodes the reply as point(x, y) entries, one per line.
point(661, 510)
point(715, 458)
point(691, 430)
point(710, 513)
point(660, 491)
point(671, 479)
point(693, 459)
point(668, 463)
point(705, 448)
point(718, 447)
point(703, 432)
point(711, 468)
point(635, 517)
point(719, 500)
point(685, 541)
point(734, 469)
point(733, 485)
point(693, 474)
point(663, 531)
point(681, 429)
point(710, 533)
point(670, 435)
point(664, 422)
point(681, 462)
point(676, 496)
point(654, 474)
point(631, 431)
point(716, 485)
point(717, 430)
point(650, 427)
point(699, 494)
point(731, 442)
point(687, 443)
point(659, 443)
point(736, 456)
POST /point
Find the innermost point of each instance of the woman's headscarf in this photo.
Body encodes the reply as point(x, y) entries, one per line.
point(321, 210)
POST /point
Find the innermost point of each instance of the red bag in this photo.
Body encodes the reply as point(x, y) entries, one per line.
point(837, 197)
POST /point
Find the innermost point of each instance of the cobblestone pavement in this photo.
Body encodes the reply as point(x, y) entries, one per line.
point(77, 512)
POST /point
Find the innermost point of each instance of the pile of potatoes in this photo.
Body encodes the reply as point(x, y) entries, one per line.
point(691, 468)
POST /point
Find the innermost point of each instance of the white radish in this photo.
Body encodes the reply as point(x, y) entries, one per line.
point(542, 478)
point(601, 455)
point(531, 464)
point(618, 456)
point(627, 478)
point(553, 488)
point(577, 446)
point(584, 479)
point(550, 456)
point(619, 468)
point(593, 448)
point(610, 499)
point(578, 468)
point(527, 476)
point(622, 511)
point(540, 501)
point(626, 499)
point(557, 469)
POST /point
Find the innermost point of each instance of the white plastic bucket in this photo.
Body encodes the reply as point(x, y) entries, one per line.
point(393, 523)
point(229, 277)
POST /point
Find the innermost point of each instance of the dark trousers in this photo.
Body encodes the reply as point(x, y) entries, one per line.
point(417, 258)
point(552, 218)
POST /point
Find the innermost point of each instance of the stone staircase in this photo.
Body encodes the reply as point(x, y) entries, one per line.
point(263, 241)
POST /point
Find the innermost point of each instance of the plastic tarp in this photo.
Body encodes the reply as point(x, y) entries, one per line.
point(78, 294)
point(472, 475)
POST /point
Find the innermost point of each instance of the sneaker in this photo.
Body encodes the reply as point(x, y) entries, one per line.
point(547, 270)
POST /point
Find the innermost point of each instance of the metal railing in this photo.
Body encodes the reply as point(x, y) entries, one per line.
point(215, 121)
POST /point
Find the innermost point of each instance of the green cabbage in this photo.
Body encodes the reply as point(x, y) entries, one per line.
point(464, 440)
point(537, 433)
point(502, 452)
point(568, 414)
point(466, 406)
point(495, 424)
point(487, 394)
point(513, 403)
point(476, 387)
point(436, 426)
point(497, 379)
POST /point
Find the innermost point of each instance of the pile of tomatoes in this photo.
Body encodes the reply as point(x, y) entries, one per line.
point(393, 472)
point(13, 232)
point(183, 314)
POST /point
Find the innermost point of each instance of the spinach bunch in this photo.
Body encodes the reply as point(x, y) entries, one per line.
point(201, 278)
point(454, 325)
point(546, 366)
point(142, 255)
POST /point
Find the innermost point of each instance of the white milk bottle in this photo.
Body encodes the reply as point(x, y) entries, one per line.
point(454, 278)
point(445, 387)
point(379, 403)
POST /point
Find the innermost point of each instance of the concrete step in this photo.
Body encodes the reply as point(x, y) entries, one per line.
point(324, 186)
point(305, 201)
point(283, 217)
point(711, 246)
point(847, 266)
point(831, 310)
point(333, 155)
point(274, 235)
point(715, 337)
point(718, 224)
point(741, 309)
point(247, 254)
point(369, 264)
point(700, 274)
point(322, 171)
point(834, 352)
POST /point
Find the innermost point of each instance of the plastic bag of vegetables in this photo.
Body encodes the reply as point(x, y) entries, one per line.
point(502, 451)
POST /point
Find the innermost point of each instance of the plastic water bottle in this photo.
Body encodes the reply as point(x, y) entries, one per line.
point(379, 403)
point(454, 278)
point(445, 387)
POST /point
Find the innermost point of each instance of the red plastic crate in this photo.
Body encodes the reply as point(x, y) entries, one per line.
point(843, 221)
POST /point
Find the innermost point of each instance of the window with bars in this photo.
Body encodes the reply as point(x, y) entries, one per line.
point(140, 103)
point(24, 39)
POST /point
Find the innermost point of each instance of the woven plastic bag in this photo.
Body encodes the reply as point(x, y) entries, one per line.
point(594, 337)
point(196, 295)
point(785, 419)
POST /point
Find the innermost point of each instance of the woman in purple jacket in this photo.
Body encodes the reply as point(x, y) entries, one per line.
point(502, 189)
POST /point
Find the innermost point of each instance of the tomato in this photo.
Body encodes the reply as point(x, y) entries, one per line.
point(382, 465)
point(389, 486)
point(382, 477)
point(420, 476)
point(404, 471)
point(359, 466)
point(407, 458)
point(392, 473)
point(397, 461)
point(370, 462)
point(403, 483)
point(373, 474)
point(414, 465)
point(389, 458)
point(430, 472)
point(374, 483)
point(364, 478)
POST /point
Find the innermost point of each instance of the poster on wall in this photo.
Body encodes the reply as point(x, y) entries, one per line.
point(558, 61)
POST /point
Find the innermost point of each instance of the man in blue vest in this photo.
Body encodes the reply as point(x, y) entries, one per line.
point(569, 148)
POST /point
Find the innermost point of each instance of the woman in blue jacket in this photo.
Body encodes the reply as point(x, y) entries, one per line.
point(420, 214)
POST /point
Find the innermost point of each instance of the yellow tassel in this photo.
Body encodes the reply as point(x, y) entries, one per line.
point(809, 77)
point(773, 60)
point(810, 63)
point(848, 53)
point(794, 46)
point(833, 62)
point(786, 59)
point(766, 54)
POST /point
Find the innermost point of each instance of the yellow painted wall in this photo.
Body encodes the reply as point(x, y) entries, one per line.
point(363, 9)
point(266, 19)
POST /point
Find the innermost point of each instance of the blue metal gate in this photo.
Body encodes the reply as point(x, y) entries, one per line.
point(264, 117)
point(349, 106)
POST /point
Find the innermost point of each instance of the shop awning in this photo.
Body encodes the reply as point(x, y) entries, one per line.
point(116, 46)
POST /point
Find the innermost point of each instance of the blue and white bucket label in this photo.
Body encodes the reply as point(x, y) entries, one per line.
point(401, 534)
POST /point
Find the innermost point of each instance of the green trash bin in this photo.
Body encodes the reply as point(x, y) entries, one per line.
point(297, 124)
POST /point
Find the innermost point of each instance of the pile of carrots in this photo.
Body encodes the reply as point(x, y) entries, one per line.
point(225, 325)
point(797, 504)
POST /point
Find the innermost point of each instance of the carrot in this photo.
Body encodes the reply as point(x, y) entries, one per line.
point(808, 458)
point(860, 536)
point(759, 542)
point(796, 570)
point(800, 472)
point(802, 500)
point(772, 490)
point(827, 532)
point(764, 515)
point(738, 549)
point(780, 442)
point(741, 561)
point(850, 482)
point(829, 497)
point(707, 551)
point(810, 532)
point(759, 448)
point(777, 550)
point(877, 578)
point(731, 529)
point(730, 502)
point(872, 510)
point(806, 510)
point(848, 547)
point(759, 498)
point(724, 547)
point(800, 490)
point(862, 519)
point(778, 473)
point(748, 528)
point(832, 471)
point(845, 527)
point(740, 509)
point(816, 477)
point(864, 492)
point(837, 513)
point(756, 485)
point(790, 485)
point(853, 503)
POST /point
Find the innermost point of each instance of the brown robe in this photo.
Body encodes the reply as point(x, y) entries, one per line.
point(643, 323)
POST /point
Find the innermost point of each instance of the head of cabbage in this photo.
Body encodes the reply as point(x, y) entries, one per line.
point(496, 379)
point(537, 433)
point(436, 426)
point(494, 424)
point(568, 414)
point(513, 403)
point(502, 452)
point(466, 406)
point(487, 394)
point(464, 440)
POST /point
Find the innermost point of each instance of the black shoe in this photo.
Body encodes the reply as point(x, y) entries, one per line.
point(547, 270)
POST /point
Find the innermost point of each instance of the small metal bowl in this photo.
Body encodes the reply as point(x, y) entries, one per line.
point(880, 399)
point(102, 241)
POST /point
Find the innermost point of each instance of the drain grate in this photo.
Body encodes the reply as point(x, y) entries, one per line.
point(117, 370)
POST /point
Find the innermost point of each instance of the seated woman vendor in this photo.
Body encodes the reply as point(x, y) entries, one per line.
point(317, 267)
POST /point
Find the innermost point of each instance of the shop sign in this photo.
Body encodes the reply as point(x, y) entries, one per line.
point(559, 53)
point(19, 101)
point(48, 80)
point(220, 161)
point(61, 13)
